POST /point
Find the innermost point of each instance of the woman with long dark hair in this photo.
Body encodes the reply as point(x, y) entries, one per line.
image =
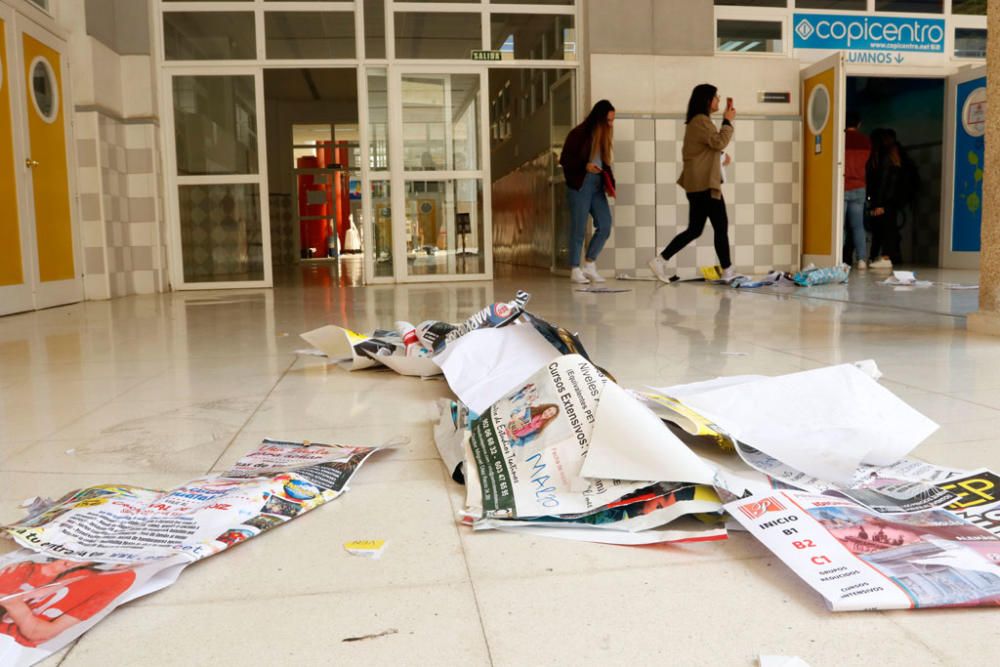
point(886, 195)
point(586, 160)
point(701, 179)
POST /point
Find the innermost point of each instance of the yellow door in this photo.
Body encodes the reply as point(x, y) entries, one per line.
point(45, 104)
point(822, 184)
point(15, 288)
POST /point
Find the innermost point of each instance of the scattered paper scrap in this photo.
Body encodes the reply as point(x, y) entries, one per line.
point(366, 548)
point(905, 279)
point(860, 560)
point(115, 543)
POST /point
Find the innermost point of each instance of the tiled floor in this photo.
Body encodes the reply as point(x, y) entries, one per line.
point(154, 390)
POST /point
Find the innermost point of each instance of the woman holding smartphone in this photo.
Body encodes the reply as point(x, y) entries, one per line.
point(701, 179)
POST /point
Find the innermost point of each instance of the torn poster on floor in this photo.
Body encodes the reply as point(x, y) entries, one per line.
point(98, 547)
point(571, 449)
point(407, 349)
point(859, 560)
point(977, 498)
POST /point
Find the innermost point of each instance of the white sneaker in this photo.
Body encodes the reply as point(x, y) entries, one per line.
point(576, 276)
point(862, 265)
point(728, 274)
point(590, 271)
point(661, 269)
point(881, 263)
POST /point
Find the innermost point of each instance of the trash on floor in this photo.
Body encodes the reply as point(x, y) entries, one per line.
point(366, 548)
point(858, 559)
point(548, 445)
point(99, 547)
point(905, 279)
point(570, 454)
point(812, 275)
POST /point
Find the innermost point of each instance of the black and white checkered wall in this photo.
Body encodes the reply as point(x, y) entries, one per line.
point(761, 191)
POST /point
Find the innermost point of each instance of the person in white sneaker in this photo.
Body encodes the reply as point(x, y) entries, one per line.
point(586, 160)
point(701, 179)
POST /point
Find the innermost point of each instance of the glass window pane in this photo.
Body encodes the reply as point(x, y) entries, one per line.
point(378, 121)
point(911, 6)
point(215, 125)
point(752, 3)
point(209, 35)
point(444, 227)
point(440, 122)
point(967, 7)
point(221, 236)
point(533, 36)
point(374, 28)
point(749, 36)
point(437, 35)
point(835, 5)
point(382, 227)
point(970, 43)
point(297, 35)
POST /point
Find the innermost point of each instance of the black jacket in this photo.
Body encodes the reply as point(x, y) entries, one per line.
point(885, 185)
point(575, 155)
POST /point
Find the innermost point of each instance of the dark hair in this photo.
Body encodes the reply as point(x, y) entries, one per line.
point(853, 119)
point(701, 101)
point(599, 114)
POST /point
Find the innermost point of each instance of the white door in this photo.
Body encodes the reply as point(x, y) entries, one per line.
point(40, 232)
point(440, 174)
point(823, 87)
point(16, 282)
point(962, 182)
point(217, 178)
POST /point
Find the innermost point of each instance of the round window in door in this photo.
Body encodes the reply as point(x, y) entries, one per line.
point(818, 109)
point(44, 91)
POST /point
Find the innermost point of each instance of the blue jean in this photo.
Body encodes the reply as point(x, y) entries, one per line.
point(588, 200)
point(854, 225)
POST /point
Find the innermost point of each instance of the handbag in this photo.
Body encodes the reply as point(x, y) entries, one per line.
point(609, 185)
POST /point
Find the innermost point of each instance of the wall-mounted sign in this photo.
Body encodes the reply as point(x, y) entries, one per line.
point(860, 32)
point(774, 97)
point(970, 151)
point(487, 55)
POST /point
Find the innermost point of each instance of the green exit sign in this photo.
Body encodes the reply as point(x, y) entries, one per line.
point(486, 55)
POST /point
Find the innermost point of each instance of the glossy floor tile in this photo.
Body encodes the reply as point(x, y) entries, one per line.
point(155, 390)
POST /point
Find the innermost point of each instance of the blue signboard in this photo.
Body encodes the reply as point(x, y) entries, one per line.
point(843, 32)
point(967, 197)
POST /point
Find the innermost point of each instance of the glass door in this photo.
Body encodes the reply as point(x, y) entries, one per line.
point(439, 175)
point(217, 176)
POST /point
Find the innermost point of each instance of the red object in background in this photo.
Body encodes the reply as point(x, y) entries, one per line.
point(312, 233)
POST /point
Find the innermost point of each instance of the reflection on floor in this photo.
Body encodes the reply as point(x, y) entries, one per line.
point(155, 390)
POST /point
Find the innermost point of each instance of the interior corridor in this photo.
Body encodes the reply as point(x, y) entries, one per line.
point(154, 390)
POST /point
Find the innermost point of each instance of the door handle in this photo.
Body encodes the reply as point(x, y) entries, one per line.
point(30, 164)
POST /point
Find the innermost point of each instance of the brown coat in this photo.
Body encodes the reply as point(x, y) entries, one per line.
point(703, 144)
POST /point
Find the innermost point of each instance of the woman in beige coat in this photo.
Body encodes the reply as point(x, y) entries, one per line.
point(701, 179)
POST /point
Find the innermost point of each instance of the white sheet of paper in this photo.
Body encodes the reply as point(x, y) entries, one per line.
point(484, 365)
point(629, 442)
point(822, 422)
point(335, 342)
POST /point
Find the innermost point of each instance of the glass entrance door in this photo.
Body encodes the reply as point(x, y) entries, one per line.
point(218, 178)
point(439, 175)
